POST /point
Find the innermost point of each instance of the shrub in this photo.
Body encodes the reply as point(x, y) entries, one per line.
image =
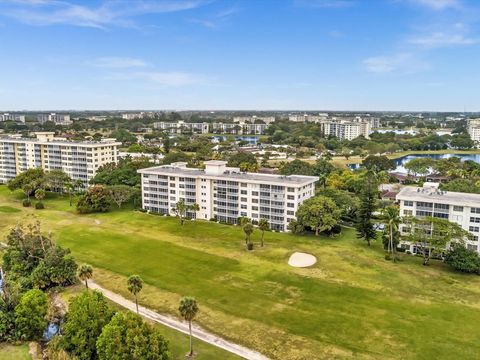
point(96, 199)
point(250, 246)
point(39, 206)
point(463, 259)
point(26, 203)
point(30, 315)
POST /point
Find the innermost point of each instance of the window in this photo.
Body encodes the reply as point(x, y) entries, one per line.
point(408, 203)
point(458, 208)
point(408, 212)
point(472, 247)
point(473, 228)
point(172, 191)
point(243, 199)
point(290, 189)
point(442, 206)
point(475, 220)
point(475, 210)
point(243, 192)
point(254, 215)
point(290, 212)
point(255, 201)
point(243, 206)
point(255, 208)
point(254, 193)
point(291, 197)
point(290, 205)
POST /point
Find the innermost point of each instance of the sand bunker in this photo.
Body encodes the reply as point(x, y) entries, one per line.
point(300, 259)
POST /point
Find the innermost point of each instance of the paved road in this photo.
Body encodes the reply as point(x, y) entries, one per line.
point(173, 323)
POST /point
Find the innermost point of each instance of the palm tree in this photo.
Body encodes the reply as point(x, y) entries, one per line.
point(263, 226)
point(135, 285)
point(248, 230)
point(392, 219)
point(70, 189)
point(188, 310)
point(180, 209)
point(85, 272)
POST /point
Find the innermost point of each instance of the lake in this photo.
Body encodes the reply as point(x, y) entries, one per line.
point(400, 162)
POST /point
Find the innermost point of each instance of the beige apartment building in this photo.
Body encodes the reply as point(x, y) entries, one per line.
point(78, 159)
point(225, 194)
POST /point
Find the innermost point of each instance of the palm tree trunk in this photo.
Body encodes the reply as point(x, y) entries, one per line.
point(190, 329)
point(263, 233)
point(136, 302)
point(86, 283)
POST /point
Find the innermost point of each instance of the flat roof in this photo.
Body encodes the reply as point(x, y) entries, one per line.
point(439, 196)
point(58, 142)
point(285, 180)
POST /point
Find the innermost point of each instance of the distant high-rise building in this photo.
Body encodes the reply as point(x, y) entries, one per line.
point(58, 119)
point(12, 117)
point(473, 128)
point(78, 159)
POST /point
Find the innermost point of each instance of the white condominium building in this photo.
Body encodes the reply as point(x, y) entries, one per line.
point(58, 119)
point(460, 208)
point(346, 129)
point(133, 116)
point(12, 117)
point(473, 128)
point(252, 119)
point(79, 160)
point(225, 193)
point(239, 128)
point(308, 118)
point(181, 127)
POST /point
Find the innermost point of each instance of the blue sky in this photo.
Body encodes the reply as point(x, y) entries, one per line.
point(406, 55)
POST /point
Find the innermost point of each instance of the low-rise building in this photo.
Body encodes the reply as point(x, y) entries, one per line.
point(58, 119)
point(429, 200)
point(225, 193)
point(78, 159)
point(133, 116)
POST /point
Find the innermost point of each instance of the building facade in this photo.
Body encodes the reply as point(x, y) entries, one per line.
point(252, 119)
point(345, 129)
point(12, 117)
point(225, 194)
point(58, 119)
point(79, 160)
point(473, 128)
point(182, 127)
point(460, 208)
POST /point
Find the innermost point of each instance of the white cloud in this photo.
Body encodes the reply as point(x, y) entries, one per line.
point(442, 39)
point(404, 63)
point(109, 13)
point(117, 62)
point(217, 19)
point(437, 4)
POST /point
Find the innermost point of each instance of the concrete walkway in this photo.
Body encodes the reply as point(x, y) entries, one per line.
point(173, 323)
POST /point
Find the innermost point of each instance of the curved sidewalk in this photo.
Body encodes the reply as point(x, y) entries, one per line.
point(173, 323)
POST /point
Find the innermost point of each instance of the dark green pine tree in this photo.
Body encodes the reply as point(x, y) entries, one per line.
point(368, 197)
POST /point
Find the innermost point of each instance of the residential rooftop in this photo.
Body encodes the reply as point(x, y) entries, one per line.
point(216, 169)
point(435, 195)
point(49, 138)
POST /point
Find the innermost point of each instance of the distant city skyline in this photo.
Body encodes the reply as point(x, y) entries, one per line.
point(336, 55)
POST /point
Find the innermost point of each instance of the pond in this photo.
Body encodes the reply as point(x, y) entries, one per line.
point(400, 162)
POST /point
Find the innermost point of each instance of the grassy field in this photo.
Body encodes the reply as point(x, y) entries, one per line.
point(351, 304)
point(14, 352)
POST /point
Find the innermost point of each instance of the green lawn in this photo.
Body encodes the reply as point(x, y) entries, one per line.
point(351, 304)
point(14, 352)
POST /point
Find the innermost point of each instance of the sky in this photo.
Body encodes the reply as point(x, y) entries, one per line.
point(369, 55)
